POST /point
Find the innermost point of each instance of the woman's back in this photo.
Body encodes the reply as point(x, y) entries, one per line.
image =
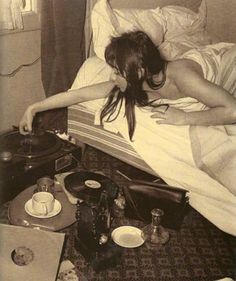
point(170, 89)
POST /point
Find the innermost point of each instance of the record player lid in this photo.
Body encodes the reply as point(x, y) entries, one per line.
point(34, 145)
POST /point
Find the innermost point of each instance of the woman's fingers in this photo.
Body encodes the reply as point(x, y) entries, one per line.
point(160, 118)
point(122, 84)
point(24, 128)
point(163, 121)
point(119, 81)
point(169, 115)
point(158, 115)
point(25, 125)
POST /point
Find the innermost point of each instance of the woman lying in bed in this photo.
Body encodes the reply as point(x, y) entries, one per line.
point(141, 76)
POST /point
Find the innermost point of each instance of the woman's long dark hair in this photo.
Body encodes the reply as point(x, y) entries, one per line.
point(129, 53)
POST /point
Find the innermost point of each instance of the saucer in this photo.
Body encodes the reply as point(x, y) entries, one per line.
point(31, 212)
point(127, 236)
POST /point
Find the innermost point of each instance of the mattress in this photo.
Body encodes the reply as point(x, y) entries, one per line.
point(81, 127)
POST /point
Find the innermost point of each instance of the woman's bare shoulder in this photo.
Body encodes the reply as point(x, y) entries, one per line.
point(183, 66)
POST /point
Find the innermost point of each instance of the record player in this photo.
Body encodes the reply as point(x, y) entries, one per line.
point(94, 214)
point(23, 159)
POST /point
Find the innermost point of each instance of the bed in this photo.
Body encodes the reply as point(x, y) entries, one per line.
point(180, 30)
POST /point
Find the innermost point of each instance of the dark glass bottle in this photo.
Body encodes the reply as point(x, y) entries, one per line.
point(103, 218)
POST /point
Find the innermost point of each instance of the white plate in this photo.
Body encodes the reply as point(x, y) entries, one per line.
point(54, 212)
point(127, 236)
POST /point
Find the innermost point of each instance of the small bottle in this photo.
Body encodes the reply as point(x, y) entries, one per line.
point(154, 234)
point(103, 223)
point(119, 206)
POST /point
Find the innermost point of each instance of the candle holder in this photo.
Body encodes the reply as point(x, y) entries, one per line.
point(154, 234)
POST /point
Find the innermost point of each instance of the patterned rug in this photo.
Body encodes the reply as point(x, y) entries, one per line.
point(197, 252)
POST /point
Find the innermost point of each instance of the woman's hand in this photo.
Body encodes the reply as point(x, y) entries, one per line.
point(169, 115)
point(119, 81)
point(25, 125)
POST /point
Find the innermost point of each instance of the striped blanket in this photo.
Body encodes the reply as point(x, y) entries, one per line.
point(81, 127)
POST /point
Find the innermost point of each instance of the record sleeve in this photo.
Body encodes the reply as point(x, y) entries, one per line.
point(29, 254)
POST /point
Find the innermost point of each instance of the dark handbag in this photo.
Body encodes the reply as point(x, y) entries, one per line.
point(143, 196)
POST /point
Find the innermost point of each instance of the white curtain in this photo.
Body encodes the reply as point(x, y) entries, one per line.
point(88, 28)
point(10, 14)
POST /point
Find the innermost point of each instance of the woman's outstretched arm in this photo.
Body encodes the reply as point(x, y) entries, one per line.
point(221, 104)
point(64, 99)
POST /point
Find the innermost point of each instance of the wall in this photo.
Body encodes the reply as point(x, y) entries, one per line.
point(25, 87)
point(221, 21)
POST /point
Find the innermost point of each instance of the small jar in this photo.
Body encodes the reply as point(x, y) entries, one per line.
point(119, 206)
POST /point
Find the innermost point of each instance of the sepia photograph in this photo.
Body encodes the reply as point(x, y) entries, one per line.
point(117, 140)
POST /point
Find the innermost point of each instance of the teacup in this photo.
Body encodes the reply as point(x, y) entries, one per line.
point(43, 203)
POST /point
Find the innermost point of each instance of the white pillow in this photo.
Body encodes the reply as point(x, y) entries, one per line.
point(185, 30)
point(93, 71)
point(151, 21)
point(173, 29)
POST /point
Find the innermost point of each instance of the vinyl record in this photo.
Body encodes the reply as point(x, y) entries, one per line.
point(88, 186)
point(30, 146)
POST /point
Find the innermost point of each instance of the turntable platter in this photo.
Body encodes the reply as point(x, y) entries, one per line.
point(88, 186)
point(30, 146)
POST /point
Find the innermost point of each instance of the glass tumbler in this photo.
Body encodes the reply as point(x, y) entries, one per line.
point(45, 184)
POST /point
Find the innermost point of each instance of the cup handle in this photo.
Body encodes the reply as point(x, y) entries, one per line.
point(45, 209)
